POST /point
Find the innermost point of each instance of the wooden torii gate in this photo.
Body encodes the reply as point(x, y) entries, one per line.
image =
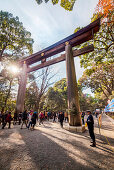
point(66, 45)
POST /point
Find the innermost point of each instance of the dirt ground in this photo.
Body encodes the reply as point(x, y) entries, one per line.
point(49, 147)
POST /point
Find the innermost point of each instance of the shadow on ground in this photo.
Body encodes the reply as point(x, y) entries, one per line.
point(51, 148)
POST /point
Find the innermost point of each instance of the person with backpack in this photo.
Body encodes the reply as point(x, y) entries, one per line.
point(41, 116)
point(24, 118)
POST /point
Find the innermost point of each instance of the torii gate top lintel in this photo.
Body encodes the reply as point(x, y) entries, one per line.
point(77, 38)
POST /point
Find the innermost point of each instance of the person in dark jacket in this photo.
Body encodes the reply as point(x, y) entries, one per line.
point(20, 117)
point(90, 123)
point(24, 118)
point(15, 118)
point(61, 118)
point(33, 119)
point(54, 117)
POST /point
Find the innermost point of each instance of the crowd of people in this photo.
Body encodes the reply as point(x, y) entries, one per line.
point(29, 118)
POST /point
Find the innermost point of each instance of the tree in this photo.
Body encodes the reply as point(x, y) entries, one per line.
point(103, 40)
point(56, 97)
point(66, 4)
point(15, 41)
point(7, 97)
point(98, 75)
point(99, 79)
point(54, 101)
point(61, 87)
point(37, 89)
point(104, 7)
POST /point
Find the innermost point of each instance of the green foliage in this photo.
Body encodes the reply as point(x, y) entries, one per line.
point(98, 75)
point(7, 95)
point(15, 41)
point(100, 79)
point(77, 29)
point(61, 87)
point(103, 42)
point(56, 97)
point(32, 97)
point(55, 2)
point(66, 4)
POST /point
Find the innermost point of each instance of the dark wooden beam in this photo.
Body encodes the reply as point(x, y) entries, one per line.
point(84, 50)
point(77, 38)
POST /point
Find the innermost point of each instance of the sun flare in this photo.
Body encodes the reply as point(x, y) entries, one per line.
point(13, 69)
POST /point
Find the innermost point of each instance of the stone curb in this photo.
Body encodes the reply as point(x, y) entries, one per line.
point(75, 128)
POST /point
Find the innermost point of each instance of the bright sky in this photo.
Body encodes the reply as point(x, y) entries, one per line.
point(49, 24)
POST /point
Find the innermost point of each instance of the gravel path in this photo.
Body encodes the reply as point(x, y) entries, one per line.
point(49, 147)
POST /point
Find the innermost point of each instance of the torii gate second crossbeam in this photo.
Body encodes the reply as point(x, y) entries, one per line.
point(66, 45)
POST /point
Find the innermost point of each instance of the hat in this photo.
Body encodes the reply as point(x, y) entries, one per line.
point(88, 111)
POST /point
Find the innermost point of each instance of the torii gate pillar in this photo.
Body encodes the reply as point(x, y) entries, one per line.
point(21, 89)
point(73, 99)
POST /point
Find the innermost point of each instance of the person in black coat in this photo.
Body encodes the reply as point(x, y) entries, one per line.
point(90, 123)
point(61, 118)
point(24, 118)
point(34, 117)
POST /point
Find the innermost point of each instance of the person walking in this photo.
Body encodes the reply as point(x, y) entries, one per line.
point(90, 123)
point(61, 118)
point(33, 119)
point(48, 116)
point(20, 117)
point(24, 118)
point(15, 118)
point(30, 119)
point(7, 120)
point(41, 116)
point(4, 122)
point(54, 116)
